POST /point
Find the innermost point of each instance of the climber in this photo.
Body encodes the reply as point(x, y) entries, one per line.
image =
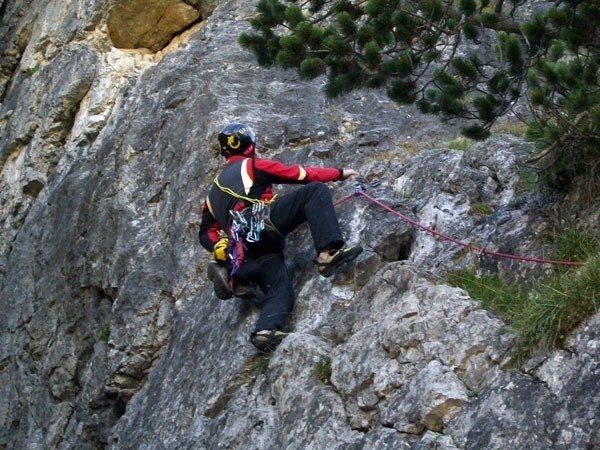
point(244, 226)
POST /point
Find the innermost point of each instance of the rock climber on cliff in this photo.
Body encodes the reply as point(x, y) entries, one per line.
point(244, 226)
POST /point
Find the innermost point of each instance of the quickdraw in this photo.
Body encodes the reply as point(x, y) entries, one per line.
point(248, 226)
point(244, 227)
point(257, 222)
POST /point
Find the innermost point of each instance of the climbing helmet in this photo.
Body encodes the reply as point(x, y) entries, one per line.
point(236, 139)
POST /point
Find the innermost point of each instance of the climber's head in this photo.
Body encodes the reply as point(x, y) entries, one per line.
point(237, 139)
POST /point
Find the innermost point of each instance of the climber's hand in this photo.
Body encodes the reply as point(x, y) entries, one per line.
point(346, 173)
point(220, 250)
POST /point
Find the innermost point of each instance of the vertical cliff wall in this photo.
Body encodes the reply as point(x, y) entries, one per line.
point(110, 334)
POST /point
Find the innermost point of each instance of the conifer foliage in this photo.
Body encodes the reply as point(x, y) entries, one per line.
point(414, 49)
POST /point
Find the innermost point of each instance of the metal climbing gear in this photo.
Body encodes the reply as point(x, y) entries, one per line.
point(257, 223)
point(249, 222)
point(246, 226)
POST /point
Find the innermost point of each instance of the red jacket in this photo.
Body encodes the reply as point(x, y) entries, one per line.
point(251, 178)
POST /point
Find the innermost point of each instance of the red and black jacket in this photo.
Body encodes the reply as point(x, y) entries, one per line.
point(251, 178)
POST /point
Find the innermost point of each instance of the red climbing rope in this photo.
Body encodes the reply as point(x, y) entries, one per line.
point(361, 191)
point(343, 199)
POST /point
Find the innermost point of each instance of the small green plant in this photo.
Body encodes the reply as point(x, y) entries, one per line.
point(575, 244)
point(559, 304)
point(494, 293)
point(472, 393)
point(481, 209)
point(323, 369)
point(104, 332)
point(31, 70)
point(460, 143)
point(544, 311)
point(261, 364)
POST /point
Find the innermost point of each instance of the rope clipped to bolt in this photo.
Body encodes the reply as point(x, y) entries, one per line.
point(361, 190)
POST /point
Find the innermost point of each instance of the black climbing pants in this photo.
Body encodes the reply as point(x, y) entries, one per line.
point(276, 282)
point(311, 203)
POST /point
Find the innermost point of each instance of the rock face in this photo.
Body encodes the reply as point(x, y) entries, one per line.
point(151, 24)
point(111, 336)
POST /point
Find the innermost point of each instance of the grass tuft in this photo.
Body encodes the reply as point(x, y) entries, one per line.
point(104, 333)
point(544, 311)
point(323, 369)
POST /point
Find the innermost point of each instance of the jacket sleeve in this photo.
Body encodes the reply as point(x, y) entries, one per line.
point(269, 171)
point(209, 229)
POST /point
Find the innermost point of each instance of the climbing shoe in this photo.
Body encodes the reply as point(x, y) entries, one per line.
point(267, 340)
point(337, 258)
point(245, 289)
point(219, 275)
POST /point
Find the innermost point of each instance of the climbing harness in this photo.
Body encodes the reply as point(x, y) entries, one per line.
point(360, 190)
point(246, 226)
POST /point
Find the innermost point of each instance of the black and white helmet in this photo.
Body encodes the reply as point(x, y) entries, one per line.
point(236, 139)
